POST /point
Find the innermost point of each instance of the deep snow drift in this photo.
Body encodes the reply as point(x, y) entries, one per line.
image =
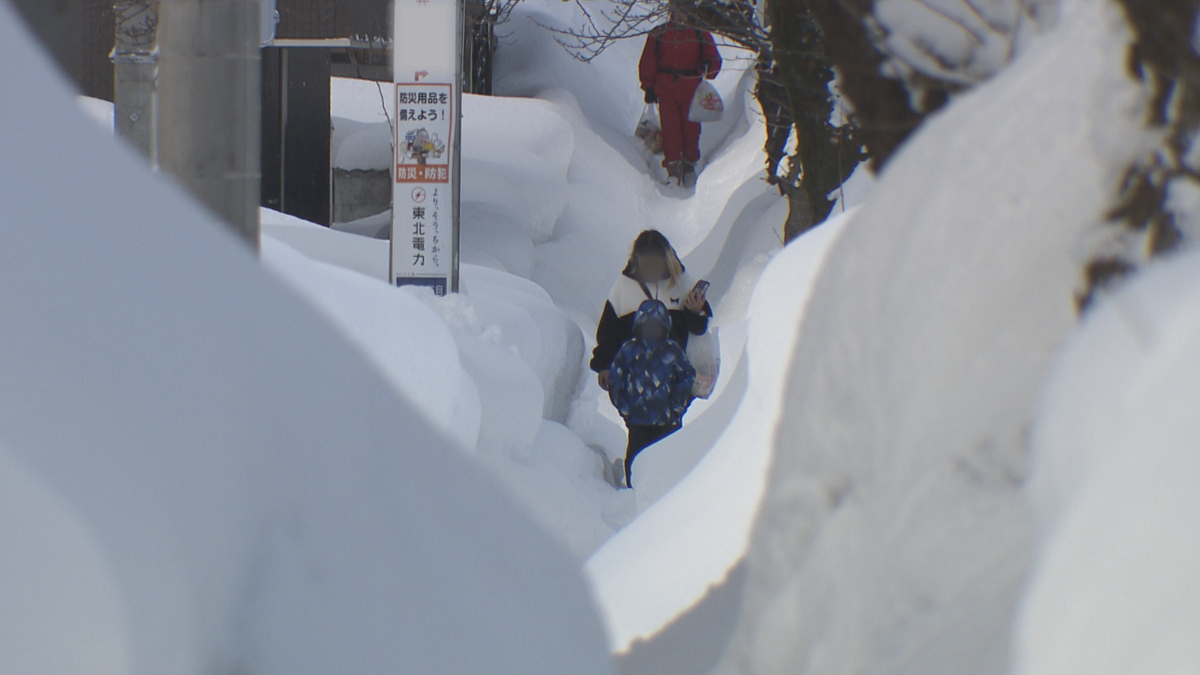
point(895, 536)
point(198, 474)
point(1115, 588)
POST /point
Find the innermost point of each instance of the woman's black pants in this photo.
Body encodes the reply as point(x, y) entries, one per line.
point(641, 437)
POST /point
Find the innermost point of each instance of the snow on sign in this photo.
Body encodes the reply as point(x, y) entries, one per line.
point(425, 186)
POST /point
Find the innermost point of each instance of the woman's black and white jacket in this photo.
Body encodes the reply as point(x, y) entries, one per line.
point(616, 323)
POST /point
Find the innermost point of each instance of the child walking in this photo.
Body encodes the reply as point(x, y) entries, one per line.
point(651, 382)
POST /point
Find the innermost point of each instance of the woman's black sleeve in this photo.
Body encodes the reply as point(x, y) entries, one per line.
point(610, 335)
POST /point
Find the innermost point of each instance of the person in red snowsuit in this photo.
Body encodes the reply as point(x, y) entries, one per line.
point(674, 61)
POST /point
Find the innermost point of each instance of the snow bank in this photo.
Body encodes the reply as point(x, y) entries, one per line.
point(1115, 588)
point(97, 110)
point(515, 158)
point(496, 368)
point(361, 101)
point(62, 610)
point(894, 536)
point(220, 482)
point(361, 146)
point(364, 255)
point(403, 337)
point(666, 560)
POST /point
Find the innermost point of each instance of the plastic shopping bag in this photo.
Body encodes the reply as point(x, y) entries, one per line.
point(707, 105)
point(649, 130)
point(704, 351)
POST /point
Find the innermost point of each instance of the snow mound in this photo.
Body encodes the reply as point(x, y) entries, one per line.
point(359, 146)
point(62, 611)
point(400, 334)
point(97, 110)
point(225, 482)
point(894, 536)
point(496, 368)
point(515, 158)
point(1115, 588)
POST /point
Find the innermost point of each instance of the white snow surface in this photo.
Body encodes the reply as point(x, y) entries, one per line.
point(98, 110)
point(895, 535)
point(199, 474)
point(1114, 588)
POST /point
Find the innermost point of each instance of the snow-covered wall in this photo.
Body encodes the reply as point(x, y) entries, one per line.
point(199, 474)
point(895, 535)
point(1115, 588)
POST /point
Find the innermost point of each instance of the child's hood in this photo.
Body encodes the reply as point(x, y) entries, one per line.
point(652, 311)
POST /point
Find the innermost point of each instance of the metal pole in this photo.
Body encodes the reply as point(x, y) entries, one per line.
point(135, 61)
point(209, 92)
point(456, 149)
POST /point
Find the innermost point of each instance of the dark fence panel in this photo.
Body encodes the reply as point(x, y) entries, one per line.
point(319, 19)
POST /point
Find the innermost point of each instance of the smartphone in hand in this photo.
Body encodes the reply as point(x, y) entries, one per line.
point(702, 287)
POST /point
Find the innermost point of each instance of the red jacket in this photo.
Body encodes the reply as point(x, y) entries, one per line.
point(674, 59)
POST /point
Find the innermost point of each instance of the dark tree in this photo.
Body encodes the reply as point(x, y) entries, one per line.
point(884, 111)
point(1163, 57)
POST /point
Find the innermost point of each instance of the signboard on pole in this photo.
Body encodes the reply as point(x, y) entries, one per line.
point(428, 97)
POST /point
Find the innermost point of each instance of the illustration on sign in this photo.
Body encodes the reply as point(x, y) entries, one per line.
point(420, 147)
point(423, 122)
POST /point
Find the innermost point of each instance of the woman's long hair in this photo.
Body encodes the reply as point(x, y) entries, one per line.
point(652, 242)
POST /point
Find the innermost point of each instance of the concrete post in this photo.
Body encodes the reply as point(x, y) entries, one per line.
point(135, 61)
point(209, 105)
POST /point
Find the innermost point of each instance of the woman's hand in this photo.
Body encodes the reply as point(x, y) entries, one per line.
point(605, 379)
point(694, 302)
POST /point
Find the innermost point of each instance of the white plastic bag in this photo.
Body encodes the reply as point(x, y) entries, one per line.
point(649, 130)
point(707, 105)
point(704, 351)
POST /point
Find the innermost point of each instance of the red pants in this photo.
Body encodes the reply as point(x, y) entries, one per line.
point(681, 137)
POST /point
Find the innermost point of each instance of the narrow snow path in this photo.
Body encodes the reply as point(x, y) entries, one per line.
point(555, 189)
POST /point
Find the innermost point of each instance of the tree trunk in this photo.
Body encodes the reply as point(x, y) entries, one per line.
point(825, 155)
point(882, 107)
point(800, 213)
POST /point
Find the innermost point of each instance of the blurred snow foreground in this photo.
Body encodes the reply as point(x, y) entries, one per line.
point(199, 475)
point(896, 534)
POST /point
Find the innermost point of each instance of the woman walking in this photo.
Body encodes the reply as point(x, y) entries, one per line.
point(653, 272)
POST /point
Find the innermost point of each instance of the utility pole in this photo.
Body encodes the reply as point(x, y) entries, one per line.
point(135, 61)
point(209, 105)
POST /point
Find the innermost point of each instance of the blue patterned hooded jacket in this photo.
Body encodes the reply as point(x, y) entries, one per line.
point(651, 378)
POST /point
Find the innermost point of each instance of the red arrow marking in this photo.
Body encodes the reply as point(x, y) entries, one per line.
point(419, 74)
